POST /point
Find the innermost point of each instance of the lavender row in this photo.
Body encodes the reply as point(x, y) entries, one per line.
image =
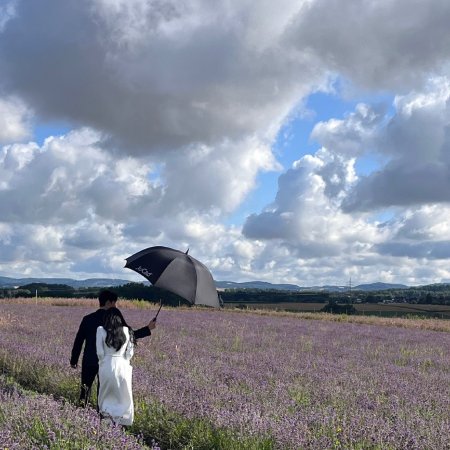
point(38, 422)
point(305, 384)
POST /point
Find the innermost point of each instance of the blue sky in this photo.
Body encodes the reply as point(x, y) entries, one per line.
point(41, 131)
point(294, 141)
point(265, 140)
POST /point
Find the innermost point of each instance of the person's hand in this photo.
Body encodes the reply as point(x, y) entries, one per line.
point(74, 366)
point(152, 324)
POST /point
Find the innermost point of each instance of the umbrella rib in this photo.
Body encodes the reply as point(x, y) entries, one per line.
point(196, 279)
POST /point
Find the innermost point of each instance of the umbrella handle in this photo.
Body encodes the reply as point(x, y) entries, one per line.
point(160, 306)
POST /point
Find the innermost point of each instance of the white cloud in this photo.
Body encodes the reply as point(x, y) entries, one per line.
point(304, 217)
point(14, 120)
point(428, 222)
point(158, 75)
point(352, 136)
point(7, 12)
point(101, 208)
point(420, 234)
point(417, 141)
point(69, 178)
point(393, 45)
point(207, 178)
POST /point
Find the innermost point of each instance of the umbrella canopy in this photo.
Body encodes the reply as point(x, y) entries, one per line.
point(176, 272)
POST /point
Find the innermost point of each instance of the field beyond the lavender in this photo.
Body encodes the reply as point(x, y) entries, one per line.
point(240, 380)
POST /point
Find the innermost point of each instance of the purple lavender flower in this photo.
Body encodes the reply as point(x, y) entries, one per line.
point(302, 383)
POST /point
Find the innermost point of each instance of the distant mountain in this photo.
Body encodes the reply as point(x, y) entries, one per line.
point(7, 282)
point(294, 287)
point(379, 287)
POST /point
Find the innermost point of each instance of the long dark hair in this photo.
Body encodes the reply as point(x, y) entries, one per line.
point(113, 323)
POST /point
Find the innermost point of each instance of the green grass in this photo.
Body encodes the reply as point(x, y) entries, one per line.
point(171, 430)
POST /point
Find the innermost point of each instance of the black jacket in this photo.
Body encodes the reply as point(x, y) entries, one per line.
point(88, 332)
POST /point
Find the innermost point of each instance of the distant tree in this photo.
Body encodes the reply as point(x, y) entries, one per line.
point(371, 299)
point(48, 290)
point(336, 308)
point(272, 296)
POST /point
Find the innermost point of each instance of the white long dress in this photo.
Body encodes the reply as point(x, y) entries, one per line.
point(115, 396)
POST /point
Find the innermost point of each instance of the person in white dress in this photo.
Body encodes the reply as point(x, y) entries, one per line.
point(115, 347)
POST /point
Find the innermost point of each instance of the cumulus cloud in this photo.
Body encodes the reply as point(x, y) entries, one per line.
point(14, 120)
point(72, 176)
point(305, 216)
point(163, 75)
point(392, 45)
point(352, 136)
point(98, 205)
point(69, 178)
point(417, 141)
point(310, 217)
point(215, 178)
point(157, 75)
point(419, 234)
point(425, 250)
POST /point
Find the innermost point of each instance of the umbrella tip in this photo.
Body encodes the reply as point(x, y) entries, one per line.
point(187, 251)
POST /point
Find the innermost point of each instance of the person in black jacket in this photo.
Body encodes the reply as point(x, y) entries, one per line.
point(87, 334)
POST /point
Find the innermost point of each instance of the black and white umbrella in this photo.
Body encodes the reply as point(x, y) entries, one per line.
point(177, 272)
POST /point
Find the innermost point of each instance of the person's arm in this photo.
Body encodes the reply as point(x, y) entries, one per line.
point(145, 331)
point(99, 343)
point(78, 344)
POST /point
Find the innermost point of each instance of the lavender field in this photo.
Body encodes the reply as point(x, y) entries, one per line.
point(223, 379)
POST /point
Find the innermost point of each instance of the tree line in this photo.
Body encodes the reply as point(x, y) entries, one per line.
point(433, 294)
point(130, 291)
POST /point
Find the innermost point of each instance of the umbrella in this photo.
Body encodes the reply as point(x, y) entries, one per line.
point(177, 272)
